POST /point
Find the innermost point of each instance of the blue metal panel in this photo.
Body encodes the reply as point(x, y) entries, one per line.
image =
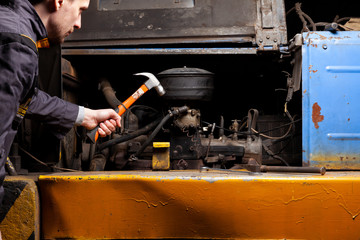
point(331, 99)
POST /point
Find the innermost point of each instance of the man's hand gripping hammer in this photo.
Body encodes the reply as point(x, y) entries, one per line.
point(152, 82)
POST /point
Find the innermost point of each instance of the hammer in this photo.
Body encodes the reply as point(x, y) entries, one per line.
point(152, 82)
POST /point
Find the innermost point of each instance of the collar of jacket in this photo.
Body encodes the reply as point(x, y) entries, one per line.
point(19, 16)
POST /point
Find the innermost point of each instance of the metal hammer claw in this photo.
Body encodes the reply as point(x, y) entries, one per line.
point(152, 82)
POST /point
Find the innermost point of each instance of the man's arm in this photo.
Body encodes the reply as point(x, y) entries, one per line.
point(18, 65)
point(61, 115)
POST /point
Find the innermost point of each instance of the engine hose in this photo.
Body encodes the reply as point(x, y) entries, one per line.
point(109, 93)
point(252, 120)
point(151, 137)
point(175, 111)
point(268, 151)
point(128, 137)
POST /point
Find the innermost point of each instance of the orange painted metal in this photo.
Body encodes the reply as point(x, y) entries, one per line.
point(197, 205)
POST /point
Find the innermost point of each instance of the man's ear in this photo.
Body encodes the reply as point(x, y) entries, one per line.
point(57, 4)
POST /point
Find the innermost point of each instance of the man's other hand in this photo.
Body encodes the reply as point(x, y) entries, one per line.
point(107, 118)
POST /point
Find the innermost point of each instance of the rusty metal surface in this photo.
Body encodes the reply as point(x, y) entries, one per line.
point(316, 115)
point(270, 28)
point(331, 118)
point(198, 205)
point(122, 23)
point(157, 51)
point(321, 170)
point(112, 5)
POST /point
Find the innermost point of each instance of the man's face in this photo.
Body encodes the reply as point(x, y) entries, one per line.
point(65, 19)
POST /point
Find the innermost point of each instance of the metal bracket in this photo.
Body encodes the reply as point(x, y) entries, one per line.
point(266, 14)
point(295, 47)
point(270, 27)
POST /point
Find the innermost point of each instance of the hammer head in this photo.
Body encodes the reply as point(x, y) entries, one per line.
point(152, 82)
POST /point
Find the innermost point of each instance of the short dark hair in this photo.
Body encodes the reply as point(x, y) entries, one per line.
point(34, 2)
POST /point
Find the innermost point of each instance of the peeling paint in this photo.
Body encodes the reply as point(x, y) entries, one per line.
point(342, 202)
point(293, 199)
point(316, 115)
point(150, 204)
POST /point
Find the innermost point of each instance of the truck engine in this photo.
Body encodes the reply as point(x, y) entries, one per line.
point(192, 141)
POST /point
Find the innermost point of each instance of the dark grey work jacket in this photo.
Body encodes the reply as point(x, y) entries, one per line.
point(18, 71)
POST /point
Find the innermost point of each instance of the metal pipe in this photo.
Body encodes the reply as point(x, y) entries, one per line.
point(331, 26)
point(221, 129)
point(109, 93)
point(321, 170)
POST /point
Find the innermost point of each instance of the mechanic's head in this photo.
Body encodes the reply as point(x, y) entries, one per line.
point(60, 17)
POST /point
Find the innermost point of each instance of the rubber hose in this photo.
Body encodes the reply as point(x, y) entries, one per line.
point(174, 112)
point(152, 135)
point(130, 136)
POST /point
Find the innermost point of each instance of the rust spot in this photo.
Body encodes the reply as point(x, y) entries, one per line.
point(322, 37)
point(316, 116)
point(338, 38)
point(348, 119)
point(305, 91)
point(310, 69)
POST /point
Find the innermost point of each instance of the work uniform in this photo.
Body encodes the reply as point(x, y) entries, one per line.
point(20, 30)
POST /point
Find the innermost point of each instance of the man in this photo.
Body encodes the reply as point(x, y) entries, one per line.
point(24, 26)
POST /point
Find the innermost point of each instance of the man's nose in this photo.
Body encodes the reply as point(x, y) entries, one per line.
point(77, 24)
